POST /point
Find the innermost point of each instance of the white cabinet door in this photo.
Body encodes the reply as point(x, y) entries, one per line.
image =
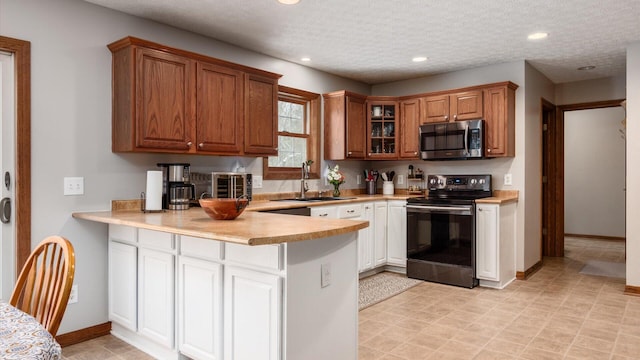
point(365, 240)
point(199, 308)
point(123, 271)
point(397, 233)
point(156, 296)
point(379, 234)
point(487, 259)
point(252, 315)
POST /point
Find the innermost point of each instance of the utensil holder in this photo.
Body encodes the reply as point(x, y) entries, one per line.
point(387, 188)
point(371, 187)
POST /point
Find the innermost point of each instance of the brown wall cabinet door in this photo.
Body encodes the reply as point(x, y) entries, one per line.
point(435, 109)
point(261, 115)
point(382, 130)
point(466, 105)
point(165, 101)
point(356, 128)
point(344, 125)
point(499, 115)
point(409, 124)
point(219, 109)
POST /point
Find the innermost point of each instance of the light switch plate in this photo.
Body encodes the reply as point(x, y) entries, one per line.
point(73, 186)
point(257, 181)
point(400, 179)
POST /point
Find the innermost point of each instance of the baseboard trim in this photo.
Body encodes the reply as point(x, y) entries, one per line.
point(85, 334)
point(632, 290)
point(599, 237)
point(530, 271)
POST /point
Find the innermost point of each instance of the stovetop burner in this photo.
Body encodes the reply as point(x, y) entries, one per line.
point(455, 189)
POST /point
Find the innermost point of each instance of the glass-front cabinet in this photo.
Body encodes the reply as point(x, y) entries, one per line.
point(382, 129)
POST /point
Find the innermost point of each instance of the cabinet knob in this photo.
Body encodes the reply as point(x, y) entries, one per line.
point(488, 150)
point(276, 149)
point(415, 153)
point(349, 153)
point(351, 211)
point(479, 209)
point(446, 117)
point(455, 116)
point(200, 145)
point(369, 154)
point(189, 144)
point(325, 214)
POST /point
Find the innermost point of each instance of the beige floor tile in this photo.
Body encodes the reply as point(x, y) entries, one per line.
point(581, 353)
point(492, 355)
point(627, 345)
point(412, 351)
point(382, 343)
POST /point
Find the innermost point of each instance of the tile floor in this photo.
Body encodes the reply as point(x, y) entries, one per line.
point(556, 314)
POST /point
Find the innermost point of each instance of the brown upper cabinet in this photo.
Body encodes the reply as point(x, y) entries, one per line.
point(344, 125)
point(500, 124)
point(409, 123)
point(463, 105)
point(382, 128)
point(173, 101)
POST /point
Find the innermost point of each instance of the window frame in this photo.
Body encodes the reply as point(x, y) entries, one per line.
point(313, 120)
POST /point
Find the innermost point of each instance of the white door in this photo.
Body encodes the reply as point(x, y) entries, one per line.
point(7, 165)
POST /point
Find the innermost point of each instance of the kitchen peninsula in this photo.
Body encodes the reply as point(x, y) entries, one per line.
point(262, 286)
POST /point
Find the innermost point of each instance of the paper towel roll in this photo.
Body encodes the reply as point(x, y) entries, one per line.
point(153, 198)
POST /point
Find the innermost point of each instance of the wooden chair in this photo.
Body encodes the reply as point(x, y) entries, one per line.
point(43, 287)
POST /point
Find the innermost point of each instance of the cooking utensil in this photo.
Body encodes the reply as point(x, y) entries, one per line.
point(384, 176)
point(391, 175)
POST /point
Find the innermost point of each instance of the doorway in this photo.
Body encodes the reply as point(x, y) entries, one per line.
point(553, 205)
point(20, 180)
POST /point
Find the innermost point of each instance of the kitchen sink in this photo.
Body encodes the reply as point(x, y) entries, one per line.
point(317, 198)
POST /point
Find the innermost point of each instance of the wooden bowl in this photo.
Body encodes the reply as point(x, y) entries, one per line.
point(224, 209)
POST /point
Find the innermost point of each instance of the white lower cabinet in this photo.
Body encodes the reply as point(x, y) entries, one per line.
point(365, 241)
point(156, 306)
point(199, 308)
point(123, 264)
point(252, 315)
point(495, 244)
point(397, 233)
point(379, 233)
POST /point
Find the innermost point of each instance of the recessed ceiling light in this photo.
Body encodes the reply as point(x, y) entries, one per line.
point(305, 59)
point(588, 67)
point(419, 59)
point(537, 36)
point(289, 2)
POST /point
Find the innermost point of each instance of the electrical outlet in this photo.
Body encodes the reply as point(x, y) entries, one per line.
point(358, 179)
point(400, 179)
point(73, 186)
point(73, 296)
point(508, 179)
point(256, 181)
point(325, 275)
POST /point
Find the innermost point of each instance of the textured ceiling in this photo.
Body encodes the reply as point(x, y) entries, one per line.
point(373, 41)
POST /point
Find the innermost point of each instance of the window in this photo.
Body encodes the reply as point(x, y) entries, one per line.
point(298, 135)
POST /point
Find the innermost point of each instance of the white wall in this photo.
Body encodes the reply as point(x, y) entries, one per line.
point(590, 90)
point(633, 164)
point(71, 124)
point(594, 158)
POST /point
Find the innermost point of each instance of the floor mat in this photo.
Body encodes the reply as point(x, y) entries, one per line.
point(382, 286)
point(604, 268)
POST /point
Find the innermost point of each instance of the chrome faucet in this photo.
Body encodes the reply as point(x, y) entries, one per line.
point(304, 187)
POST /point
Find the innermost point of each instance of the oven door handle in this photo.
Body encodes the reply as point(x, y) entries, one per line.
point(430, 208)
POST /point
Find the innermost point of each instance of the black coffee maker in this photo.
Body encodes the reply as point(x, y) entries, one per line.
point(177, 189)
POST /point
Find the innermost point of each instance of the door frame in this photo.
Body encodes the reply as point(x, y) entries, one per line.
point(553, 244)
point(21, 51)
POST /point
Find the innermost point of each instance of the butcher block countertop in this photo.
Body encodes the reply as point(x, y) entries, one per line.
point(500, 197)
point(250, 228)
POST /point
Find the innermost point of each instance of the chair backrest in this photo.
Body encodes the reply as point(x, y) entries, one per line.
point(44, 284)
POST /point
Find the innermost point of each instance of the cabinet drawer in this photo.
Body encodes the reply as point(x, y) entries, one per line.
point(326, 212)
point(122, 233)
point(264, 256)
point(201, 248)
point(349, 211)
point(156, 239)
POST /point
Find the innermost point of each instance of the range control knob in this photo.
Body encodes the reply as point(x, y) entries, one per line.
point(473, 181)
point(481, 181)
point(432, 181)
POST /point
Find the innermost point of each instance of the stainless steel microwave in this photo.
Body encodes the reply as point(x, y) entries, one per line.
point(452, 141)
